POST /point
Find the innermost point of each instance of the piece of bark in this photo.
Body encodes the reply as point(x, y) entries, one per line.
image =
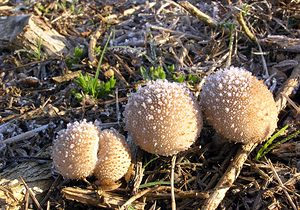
point(26, 31)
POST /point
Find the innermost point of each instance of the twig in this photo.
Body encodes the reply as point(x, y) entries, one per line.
point(242, 22)
point(236, 166)
point(50, 190)
point(231, 39)
point(252, 37)
point(229, 177)
point(263, 60)
point(93, 41)
point(115, 18)
point(102, 199)
point(26, 200)
point(118, 106)
point(172, 183)
point(292, 103)
point(137, 196)
point(198, 13)
point(215, 65)
point(125, 65)
point(24, 136)
point(139, 172)
point(35, 201)
point(187, 35)
point(281, 185)
point(179, 194)
point(289, 86)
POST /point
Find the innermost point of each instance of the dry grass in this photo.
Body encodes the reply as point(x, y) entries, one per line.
point(36, 101)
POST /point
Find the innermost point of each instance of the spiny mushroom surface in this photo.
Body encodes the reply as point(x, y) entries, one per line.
point(75, 150)
point(239, 106)
point(114, 157)
point(163, 117)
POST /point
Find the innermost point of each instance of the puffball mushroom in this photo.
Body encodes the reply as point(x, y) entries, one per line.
point(163, 117)
point(114, 157)
point(239, 106)
point(75, 150)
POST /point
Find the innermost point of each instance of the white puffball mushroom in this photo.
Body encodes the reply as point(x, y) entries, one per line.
point(239, 106)
point(114, 157)
point(75, 150)
point(163, 117)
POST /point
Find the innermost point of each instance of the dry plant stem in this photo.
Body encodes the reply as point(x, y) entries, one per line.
point(26, 200)
point(48, 205)
point(112, 18)
point(179, 194)
point(137, 196)
point(198, 13)
point(281, 185)
point(176, 32)
point(252, 37)
point(213, 68)
point(228, 62)
point(24, 136)
point(173, 202)
point(139, 171)
point(50, 190)
point(292, 103)
point(93, 41)
point(120, 76)
point(229, 177)
point(102, 199)
point(242, 22)
point(35, 201)
point(263, 61)
point(124, 64)
point(289, 86)
point(236, 166)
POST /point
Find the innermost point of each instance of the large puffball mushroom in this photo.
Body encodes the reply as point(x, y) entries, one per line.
point(114, 157)
point(163, 117)
point(239, 106)
point(75, 150)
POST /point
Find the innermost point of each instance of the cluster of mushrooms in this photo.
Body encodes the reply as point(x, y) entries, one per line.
point(164, 118)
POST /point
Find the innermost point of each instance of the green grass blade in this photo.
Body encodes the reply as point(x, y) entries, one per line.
point(102, 56)
point(289, 137)
point(151, 184)
point(262, 151)
point(150, 161)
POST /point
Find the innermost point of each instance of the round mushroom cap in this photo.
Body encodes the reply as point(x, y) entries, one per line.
point(75, 150)
point(114, 157)
point(239, 106)
point(163, 117)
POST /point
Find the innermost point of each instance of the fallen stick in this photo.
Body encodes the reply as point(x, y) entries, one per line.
point(93, 41)
point(198, 13)
point(24, 136)
point(100, 199)
point(236, 165)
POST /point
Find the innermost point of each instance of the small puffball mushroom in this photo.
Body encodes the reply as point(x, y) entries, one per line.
point(75, 150)
point(239, 106)
point(114, 157)
point(163, 117)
